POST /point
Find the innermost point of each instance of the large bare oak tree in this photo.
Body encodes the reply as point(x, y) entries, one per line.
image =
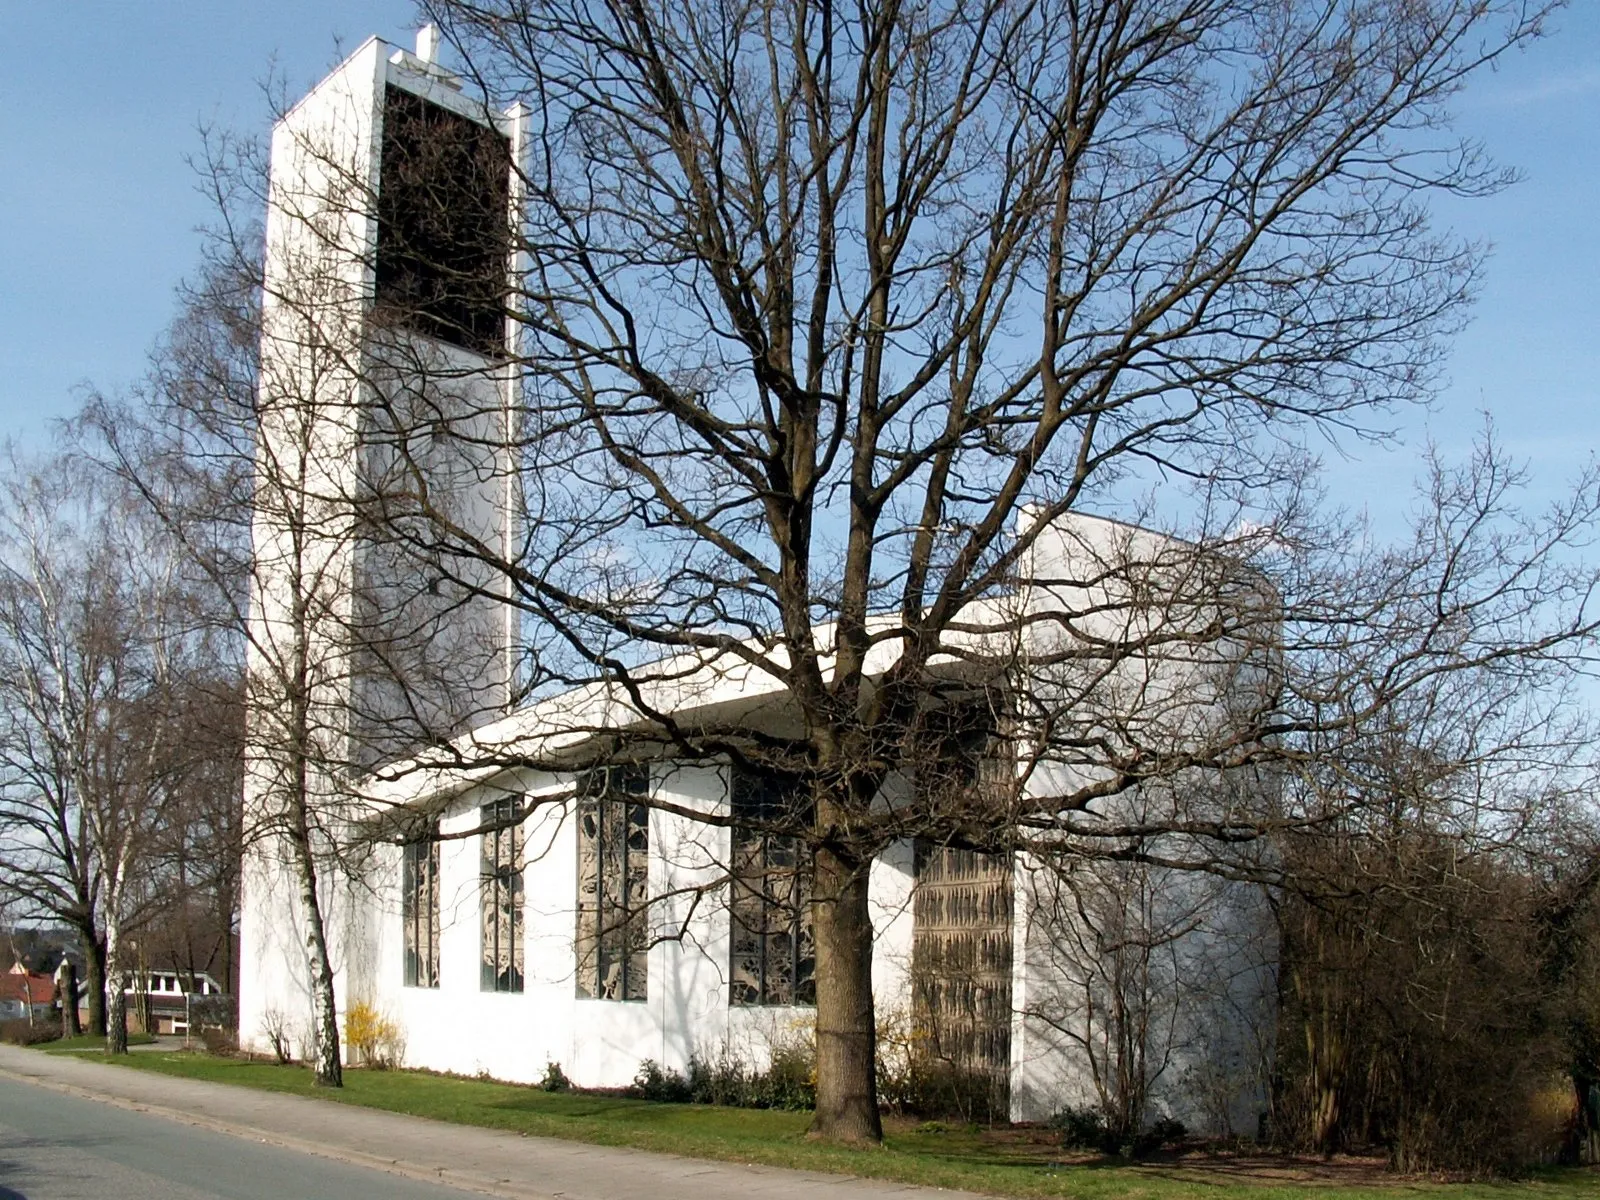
point(829, 311)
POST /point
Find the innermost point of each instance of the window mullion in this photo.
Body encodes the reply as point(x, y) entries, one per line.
point(794, 926)
point(616, 829)
point(502, 935)
point(602, 904)
point(766, 918)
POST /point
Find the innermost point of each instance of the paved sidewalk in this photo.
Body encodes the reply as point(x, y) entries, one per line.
point(486, 1160)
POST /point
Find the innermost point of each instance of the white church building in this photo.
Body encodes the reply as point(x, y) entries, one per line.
point(499, 935)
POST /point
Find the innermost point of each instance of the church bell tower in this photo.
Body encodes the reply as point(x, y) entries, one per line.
point(385, 415)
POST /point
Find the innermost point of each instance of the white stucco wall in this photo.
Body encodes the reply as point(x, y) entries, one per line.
point(1203, 994)
point(601, 1043)
point(1205, 990)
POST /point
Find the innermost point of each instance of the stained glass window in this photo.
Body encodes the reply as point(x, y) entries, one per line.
point(774, 956)
point(961, 969)
point(419, 891)
point(501, 895)
point(613, 883)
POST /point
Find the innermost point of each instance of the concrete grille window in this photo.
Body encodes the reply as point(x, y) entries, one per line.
point(613, 884)
point(961, 970)
point(774, 956)
point(500, 889)
point(419, 891)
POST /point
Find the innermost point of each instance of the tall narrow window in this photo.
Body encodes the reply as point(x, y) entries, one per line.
point(961, 970)
point(501, 895)
point(774, 956)
point(613, 883)
point(419, 892)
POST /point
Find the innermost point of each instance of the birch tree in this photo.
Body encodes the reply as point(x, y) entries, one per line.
point(189, 443)
point(98, 633)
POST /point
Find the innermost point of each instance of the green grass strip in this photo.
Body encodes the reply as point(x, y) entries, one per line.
point(935, 1156)
point(89, 1041)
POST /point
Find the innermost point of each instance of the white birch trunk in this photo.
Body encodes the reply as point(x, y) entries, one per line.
point(116, 986)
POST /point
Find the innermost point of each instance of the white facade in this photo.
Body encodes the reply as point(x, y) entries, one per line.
point(600, 1043)
point(1208, 1007)
point(317, 344)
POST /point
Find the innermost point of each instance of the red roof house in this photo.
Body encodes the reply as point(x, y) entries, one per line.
point(23, 994)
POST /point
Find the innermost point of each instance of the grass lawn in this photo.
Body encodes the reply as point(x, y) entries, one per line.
point(89, 1041)
point(1017, 1162)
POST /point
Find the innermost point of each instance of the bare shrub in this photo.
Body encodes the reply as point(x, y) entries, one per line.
point(900, 1047)
point(29, 1033)
point(276, 1028)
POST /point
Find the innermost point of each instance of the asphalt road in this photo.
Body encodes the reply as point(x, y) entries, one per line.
point(56, 1147)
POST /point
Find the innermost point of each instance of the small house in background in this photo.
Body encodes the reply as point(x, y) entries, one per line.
point(173, 999)
point(25, 996)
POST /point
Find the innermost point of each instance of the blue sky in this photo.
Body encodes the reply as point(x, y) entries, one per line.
point(1531, 357)
point(100, 102)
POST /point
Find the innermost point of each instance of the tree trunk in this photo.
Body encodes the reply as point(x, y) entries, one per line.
point(117, 1016)
point(1583, 1136)
point(116, 993)
point(69, 1001)
point(94, 969)
point(847, 1082)
point(1327, 1068)
point(324, 1013)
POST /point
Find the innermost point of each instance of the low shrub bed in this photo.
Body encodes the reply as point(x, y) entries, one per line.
point(788, 1082)
point(28, 1033)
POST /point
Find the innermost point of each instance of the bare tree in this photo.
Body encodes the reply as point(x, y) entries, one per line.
point(830, 323)
point(197, 853)
point(98, 633)
point(832, 316)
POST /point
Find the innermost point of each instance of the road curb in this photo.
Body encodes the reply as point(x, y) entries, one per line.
point(465, 1180)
